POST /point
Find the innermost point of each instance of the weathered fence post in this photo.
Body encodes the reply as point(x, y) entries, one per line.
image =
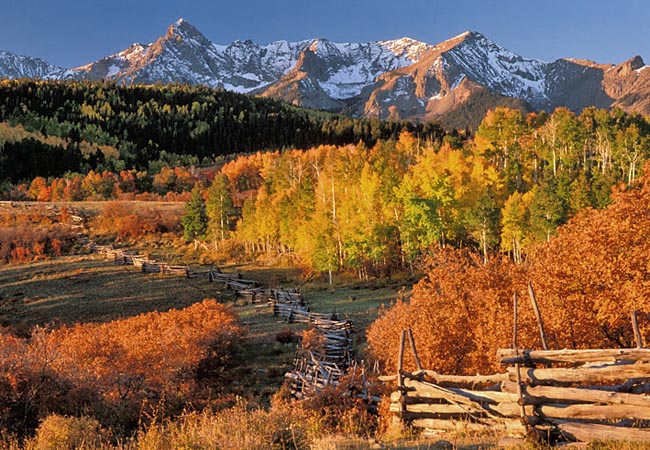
point(637, 333)
point(520, 388)
point(414, 350)
point(400, 361)
point(538, 316)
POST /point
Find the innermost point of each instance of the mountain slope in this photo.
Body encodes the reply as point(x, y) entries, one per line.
point(399, 79)
point(449, 74)
point(18, 66)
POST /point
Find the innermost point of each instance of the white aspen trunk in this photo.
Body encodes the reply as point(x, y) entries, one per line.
point(221, 217)
point(484, 239)
point(339, 241)
point(631, 175)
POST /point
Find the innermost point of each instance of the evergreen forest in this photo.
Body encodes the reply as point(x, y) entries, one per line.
point(104, 126)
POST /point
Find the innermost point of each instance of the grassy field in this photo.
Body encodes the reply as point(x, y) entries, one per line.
point(87, 288)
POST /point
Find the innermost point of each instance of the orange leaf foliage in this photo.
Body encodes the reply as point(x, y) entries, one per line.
point(117, 365)
point(459, 313)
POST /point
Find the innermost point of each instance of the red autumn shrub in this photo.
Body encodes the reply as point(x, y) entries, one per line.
point(129, 220)
point(117, 370)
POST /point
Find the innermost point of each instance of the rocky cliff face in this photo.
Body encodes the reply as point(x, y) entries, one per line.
point(401, 79)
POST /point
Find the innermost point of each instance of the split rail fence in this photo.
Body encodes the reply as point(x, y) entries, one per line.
point(313, 370)
point(553, 395)
point(232, 281)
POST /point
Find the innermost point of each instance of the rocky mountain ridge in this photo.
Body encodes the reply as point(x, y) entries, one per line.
point(399, 79)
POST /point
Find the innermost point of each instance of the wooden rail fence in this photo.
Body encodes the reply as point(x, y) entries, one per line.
point(564, 395)
point(232, 281)
point(312, 370)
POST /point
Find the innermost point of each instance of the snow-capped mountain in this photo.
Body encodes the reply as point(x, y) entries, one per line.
point(403, 78)
point(18, 66)
point(449, 73)
point(184, 55)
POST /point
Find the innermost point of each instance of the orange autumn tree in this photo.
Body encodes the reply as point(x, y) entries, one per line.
point(588, 280)
point(460, 313)
point(596, 272)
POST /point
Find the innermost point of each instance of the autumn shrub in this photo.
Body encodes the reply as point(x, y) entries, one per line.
point(68, 433)
point(595, 273)
point(115, 371)
point(128, 220)
point(26, 235)
point(26, 243)
point(460, 313)
point(313, 340)
point(230, 250)
point(335, 411)
point(286, 336)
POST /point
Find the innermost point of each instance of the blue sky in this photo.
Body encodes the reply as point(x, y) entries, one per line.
point(74, 32)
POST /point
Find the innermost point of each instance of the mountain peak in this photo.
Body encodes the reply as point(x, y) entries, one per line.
point(406, 47)
point(467, 35)
point(20, 66)
point(632, 64)
point(183, 29)
point(466, 38)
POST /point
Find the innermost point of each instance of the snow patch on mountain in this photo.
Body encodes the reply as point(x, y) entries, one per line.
point(503, 71)
point(19, 66)
point(351, 67)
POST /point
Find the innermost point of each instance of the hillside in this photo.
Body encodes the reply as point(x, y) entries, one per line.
point(108, 126)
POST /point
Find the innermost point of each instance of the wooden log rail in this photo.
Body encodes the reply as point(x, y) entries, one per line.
point(255, 295)
point(530, 357)
point(581, 375)
point(200, 272)
point(592, 391)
